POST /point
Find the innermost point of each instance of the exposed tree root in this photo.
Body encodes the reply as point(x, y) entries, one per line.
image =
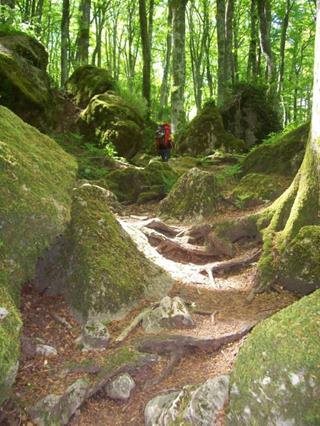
point(133, 325)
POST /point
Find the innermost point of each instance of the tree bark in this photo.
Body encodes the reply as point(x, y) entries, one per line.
point(299, 206)
point(178, 63)
point(146, 53)
point(264, 12)
point(84, 32)
point(252, 67)
point(65, 41)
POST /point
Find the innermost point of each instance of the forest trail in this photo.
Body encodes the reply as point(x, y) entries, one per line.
point(218, 304)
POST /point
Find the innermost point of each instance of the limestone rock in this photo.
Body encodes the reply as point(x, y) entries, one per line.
point(46, 350)
point(281, 155)
point(35, 184)
point(106, 274)
point(276, 376)
point(249, 115)
point(206, 133)
point(109, 118)
point(195, 195)
point(193, 405)
point(121, 387)
point(57, 410)
point(172, 313)
point(24, 83)
point(95, 335)
point(87, 81)
point(3, 313)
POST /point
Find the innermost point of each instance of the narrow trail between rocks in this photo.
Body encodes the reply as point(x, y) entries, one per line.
point(218, 303)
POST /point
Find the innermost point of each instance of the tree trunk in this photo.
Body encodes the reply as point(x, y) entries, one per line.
point(178, 63)
point(299, 206)
point(264, 12)
point(65, 41)
point(84, 32)
point(252, 68)
point(164, 90)
point(284, 28)
point(146, 53)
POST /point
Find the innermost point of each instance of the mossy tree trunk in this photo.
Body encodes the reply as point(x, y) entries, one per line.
point(84, 32)
point(178, 63)
point(299, 206)
point(65, 41)
point(146, 52)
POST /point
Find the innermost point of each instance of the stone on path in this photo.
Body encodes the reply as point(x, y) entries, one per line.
point(95, 335)
point(121, 387)
point(172, 313)
point(193, 405)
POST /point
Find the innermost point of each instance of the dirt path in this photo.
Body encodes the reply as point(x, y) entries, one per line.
point(220, 307)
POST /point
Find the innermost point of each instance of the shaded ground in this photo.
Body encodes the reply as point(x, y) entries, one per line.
point(219, 308)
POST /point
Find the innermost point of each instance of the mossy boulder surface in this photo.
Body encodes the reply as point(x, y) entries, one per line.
point(249, 115)
point(276, 378)
point(299, 267)
point(257, 188)
point(36, 177)
point(206, 133)
point(24, 83)
point(195, 195)
point(109, 118)
point(106, 274)
point(281, 154)
point(87, 81)
point(133, 183)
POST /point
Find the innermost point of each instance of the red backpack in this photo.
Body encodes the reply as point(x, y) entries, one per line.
point(163, 136)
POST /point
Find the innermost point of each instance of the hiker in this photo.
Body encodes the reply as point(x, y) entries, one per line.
point(164, 141)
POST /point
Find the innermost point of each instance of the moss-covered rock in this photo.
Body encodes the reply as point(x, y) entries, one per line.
point(276, 378)
point(256, 188)
point(106, 274)
point(108, 118)
point(281, 154)
point(206, 133)
point(249, 115)
point(36, 177)
point(299, 267)
point(24, 83)
point(195, 194)
point(129, 183)
point(87, 81)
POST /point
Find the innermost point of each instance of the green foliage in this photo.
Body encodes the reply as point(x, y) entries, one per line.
point(134, 100)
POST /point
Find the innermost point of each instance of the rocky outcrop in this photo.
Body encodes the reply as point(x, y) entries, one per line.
point(193, 405)
point(249, 115)
point(134, 184)
point(108, 118)
point(276, 375)
point(256, 188)
point(194, 195)
point(120, 387)
point(281, 154)
point(206, 133)
point(24, 83)
point(35, 196)
point(87, 81)
point(106, 274)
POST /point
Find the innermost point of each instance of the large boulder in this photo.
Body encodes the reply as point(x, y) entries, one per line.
point(195, 195)
point(206, 133)
point(249, 115)
point(109, 118)
point(35, 184)
point(281, 154)
point(303, 249)
point(134, 184)
point(106, 274)
point(87, 81)
point(276, 378)
point(24, 83)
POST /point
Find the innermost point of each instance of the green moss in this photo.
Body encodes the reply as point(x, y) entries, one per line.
point(121, 358)
point(195, 194)
point(276, 375)
point(206, 133)
point(299, 268)
point(108, 118)
point(256, 188)
point(281, 154)
point(105, 271)
point(87, 81)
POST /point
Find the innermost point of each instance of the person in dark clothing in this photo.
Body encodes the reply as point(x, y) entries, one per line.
point(164, 141)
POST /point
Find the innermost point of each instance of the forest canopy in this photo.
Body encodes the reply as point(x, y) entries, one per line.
point(263, 42)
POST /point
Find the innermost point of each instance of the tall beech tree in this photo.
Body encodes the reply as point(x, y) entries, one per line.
point(145, 30)
point(84, 32)
point(65, 22)
point(298, 208)
point(178, 63)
